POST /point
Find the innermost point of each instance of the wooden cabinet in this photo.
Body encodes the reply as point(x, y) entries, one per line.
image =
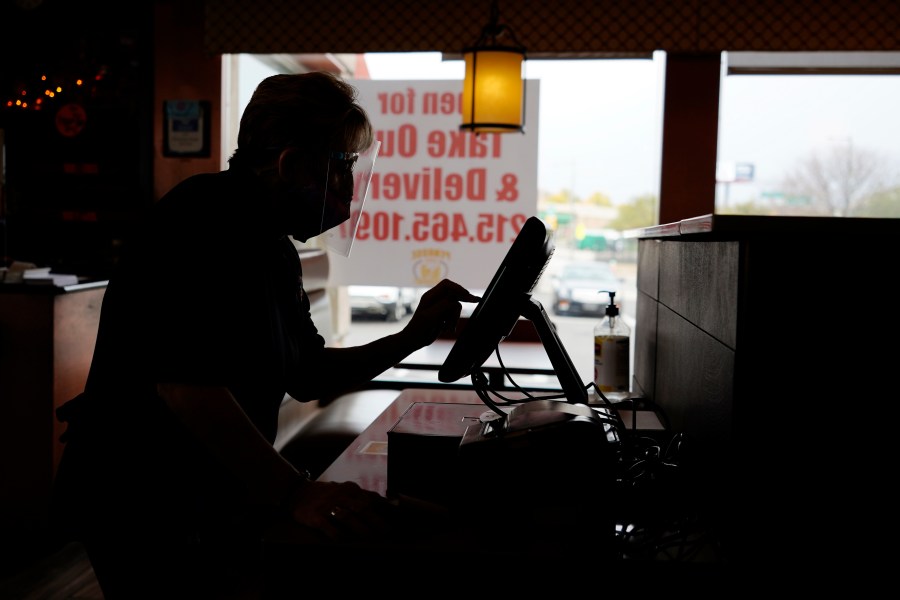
point(764, 341)
point(47, 337)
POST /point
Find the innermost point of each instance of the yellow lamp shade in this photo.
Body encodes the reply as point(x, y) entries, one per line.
point(493, 90)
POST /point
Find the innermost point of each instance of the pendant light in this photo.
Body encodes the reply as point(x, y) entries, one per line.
point(493, 88)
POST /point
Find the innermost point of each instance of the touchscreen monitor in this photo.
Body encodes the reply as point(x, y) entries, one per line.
point(502, 301)
point(506, 298)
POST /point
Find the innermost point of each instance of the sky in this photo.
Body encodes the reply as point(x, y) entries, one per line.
point(600, 121)
point(774, 121)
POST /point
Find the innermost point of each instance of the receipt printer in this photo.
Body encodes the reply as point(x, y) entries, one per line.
point(546, 452)
point(543, 453)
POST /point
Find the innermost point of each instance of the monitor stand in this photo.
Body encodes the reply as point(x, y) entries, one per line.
point(542, 412)
point(572, 386)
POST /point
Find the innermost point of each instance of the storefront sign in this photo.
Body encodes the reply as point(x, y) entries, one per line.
point(442, 203)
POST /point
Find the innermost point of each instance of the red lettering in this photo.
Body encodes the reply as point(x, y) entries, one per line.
point(475, 184)
point(438, 172)
point(463, 144)
point(429, 185)
point(391, 186)
point(407, 141)
point(411, 185)
point(496, 152)
point(396, 103)
point(447, 103)
point(401, 142)
point(435, 146)
point(454, 185)
point(478, 147)
point(458, 143)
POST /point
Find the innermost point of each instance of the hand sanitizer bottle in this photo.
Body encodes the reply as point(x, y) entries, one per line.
point(612, 353)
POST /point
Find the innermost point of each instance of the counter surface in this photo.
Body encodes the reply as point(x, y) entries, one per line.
point(734, 226)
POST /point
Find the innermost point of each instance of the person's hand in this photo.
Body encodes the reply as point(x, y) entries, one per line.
point(438, 311)
point(341, 511)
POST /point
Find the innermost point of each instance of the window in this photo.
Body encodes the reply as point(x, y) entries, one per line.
point(598, 167)
point(812, 134)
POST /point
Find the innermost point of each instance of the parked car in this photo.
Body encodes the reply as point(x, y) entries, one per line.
point(385, 302)
point(577, 289)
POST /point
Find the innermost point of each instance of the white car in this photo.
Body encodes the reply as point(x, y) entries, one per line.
point(385, 302)
point(579, 290)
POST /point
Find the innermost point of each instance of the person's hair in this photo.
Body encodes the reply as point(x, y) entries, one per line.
point(311, 111)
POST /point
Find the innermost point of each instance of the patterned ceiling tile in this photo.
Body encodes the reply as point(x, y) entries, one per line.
point(552, 26)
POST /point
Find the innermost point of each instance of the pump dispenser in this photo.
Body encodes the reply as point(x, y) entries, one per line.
point(612, 353)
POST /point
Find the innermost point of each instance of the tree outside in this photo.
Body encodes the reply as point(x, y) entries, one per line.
point(843, 181)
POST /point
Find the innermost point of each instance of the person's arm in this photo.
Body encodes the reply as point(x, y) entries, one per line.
point(216, 420)
point(214, 417)
point(346, 368)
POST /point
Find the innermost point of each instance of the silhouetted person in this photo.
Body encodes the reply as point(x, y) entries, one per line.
point(169, 476)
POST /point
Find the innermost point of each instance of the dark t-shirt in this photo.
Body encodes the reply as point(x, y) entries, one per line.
point(209, 292)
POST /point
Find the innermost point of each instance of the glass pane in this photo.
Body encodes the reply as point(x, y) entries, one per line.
point(598, 168)
point(817, 145)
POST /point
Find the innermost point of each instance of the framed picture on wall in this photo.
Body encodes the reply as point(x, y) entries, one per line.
point(186, 128)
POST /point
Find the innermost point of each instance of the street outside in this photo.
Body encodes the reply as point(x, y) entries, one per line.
point(576, 333)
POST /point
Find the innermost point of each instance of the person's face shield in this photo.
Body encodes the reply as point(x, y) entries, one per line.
point(347, 178)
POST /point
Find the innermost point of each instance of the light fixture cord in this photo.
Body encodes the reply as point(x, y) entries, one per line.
point(493, 29)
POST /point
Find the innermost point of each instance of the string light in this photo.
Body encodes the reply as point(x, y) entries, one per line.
point(19, 99)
